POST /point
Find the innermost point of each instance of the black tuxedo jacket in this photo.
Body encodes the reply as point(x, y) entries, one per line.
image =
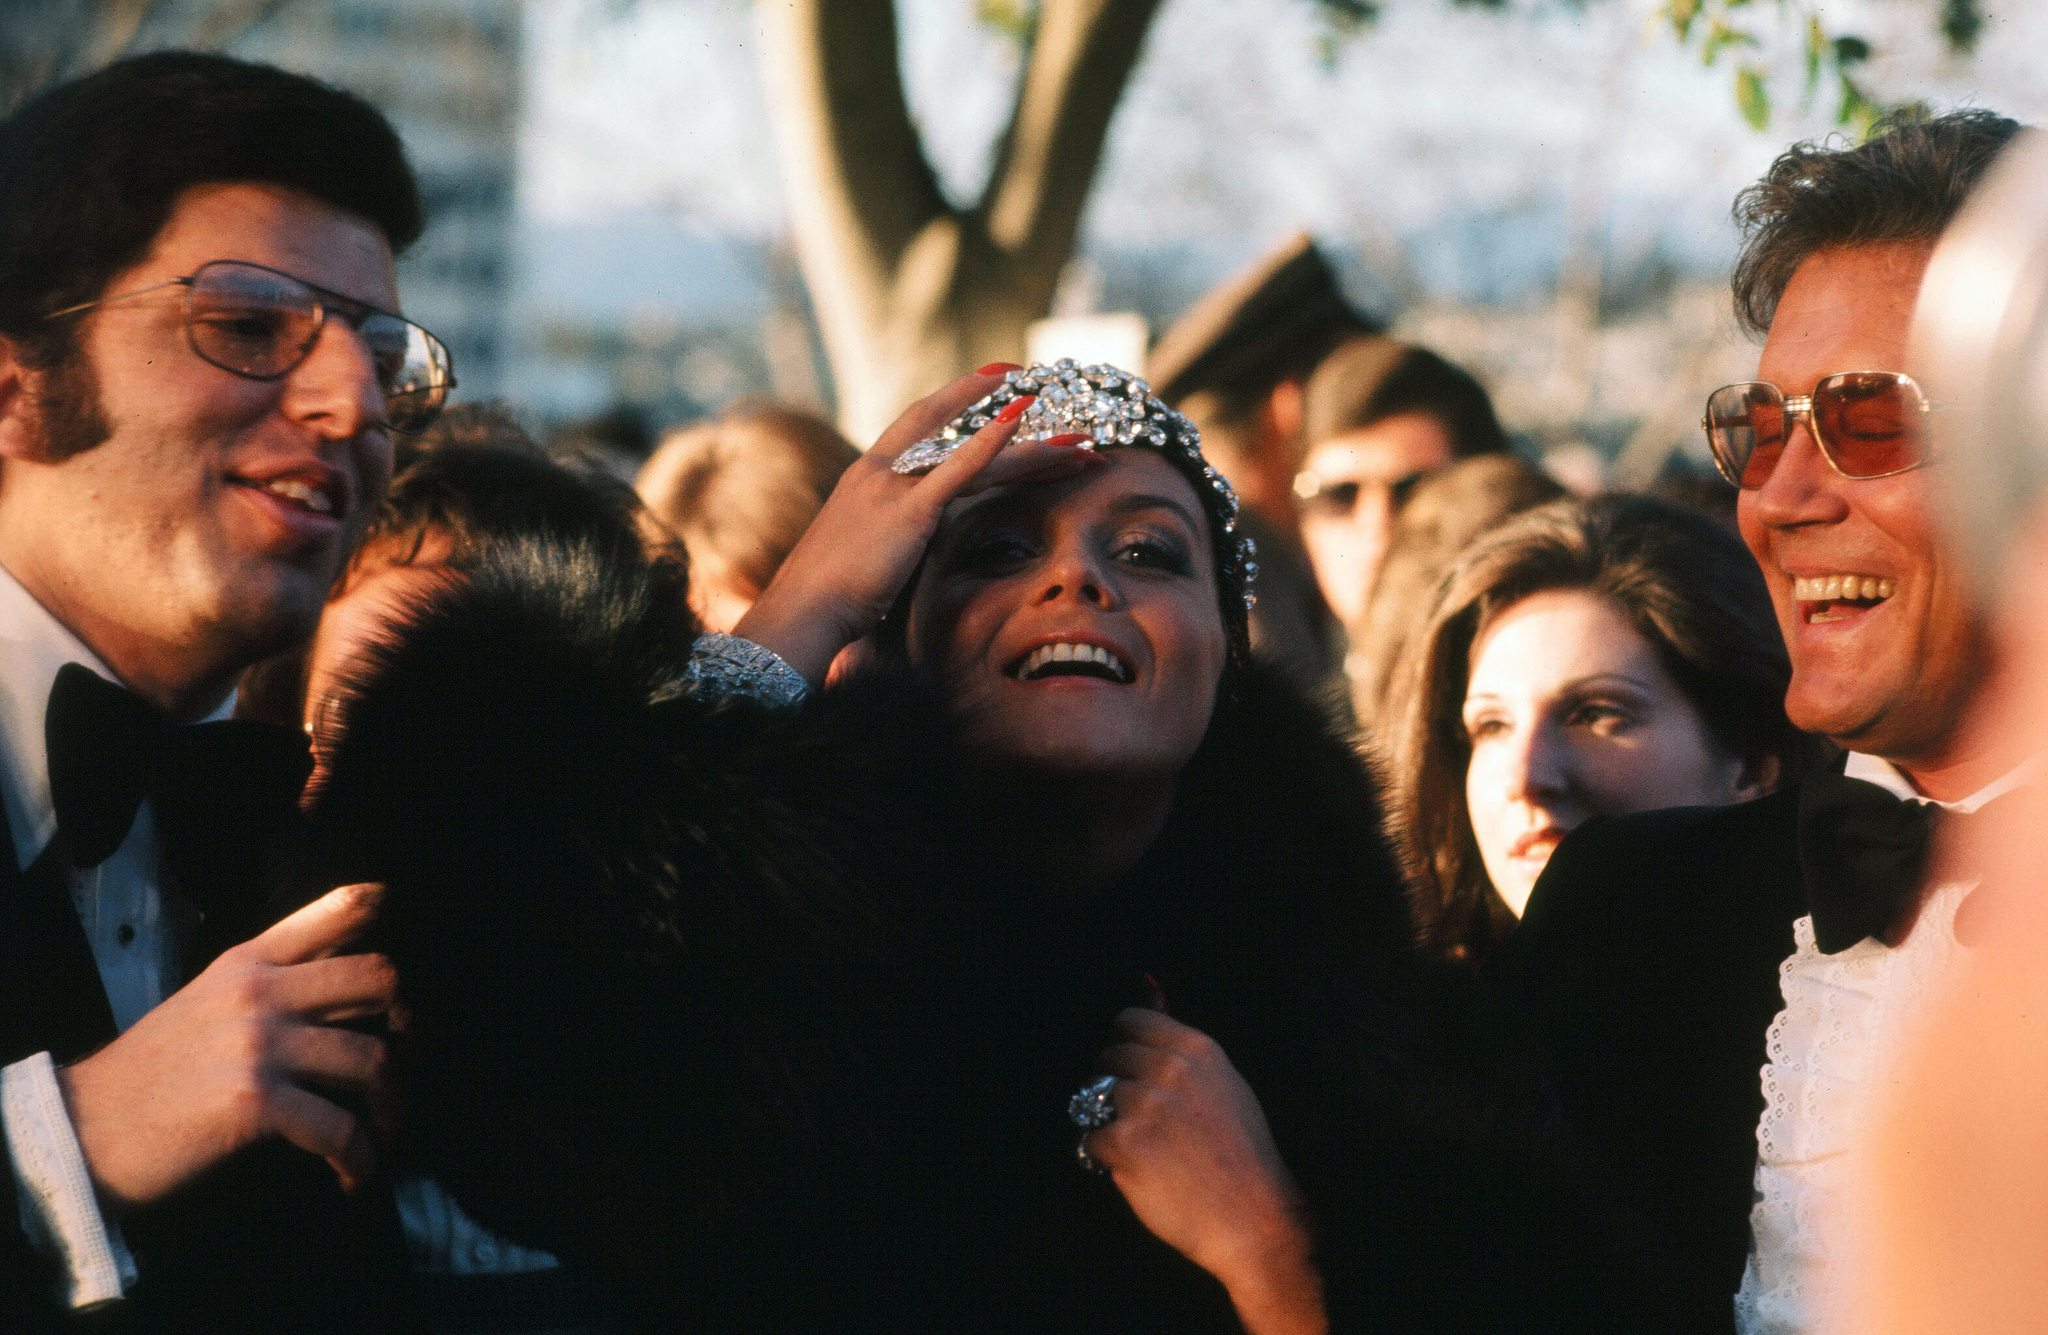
point(1640, 984)
point(264, 1242)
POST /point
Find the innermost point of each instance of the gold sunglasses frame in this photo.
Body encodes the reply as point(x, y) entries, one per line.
point(1797, 406)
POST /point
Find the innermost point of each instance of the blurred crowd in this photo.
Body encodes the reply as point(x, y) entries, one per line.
point(1227, 844)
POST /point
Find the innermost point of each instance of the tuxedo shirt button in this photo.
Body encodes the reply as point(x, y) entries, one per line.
point(125, 934)
point(486, 1253)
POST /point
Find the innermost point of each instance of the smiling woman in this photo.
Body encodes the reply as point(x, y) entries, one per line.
point(782, 1010)
point(1590, 658)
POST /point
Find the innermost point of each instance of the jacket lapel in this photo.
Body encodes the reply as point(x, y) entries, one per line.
point(51, 997)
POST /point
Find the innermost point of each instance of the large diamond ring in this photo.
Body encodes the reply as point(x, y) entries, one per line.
point(1091, 1110)
point(1091, 1107)
point(926, 455)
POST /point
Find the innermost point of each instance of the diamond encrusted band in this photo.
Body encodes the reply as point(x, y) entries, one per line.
point(1112, 408)
point(728, 665)
point(1091, 1110)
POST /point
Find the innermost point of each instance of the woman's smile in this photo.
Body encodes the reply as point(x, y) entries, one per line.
point(1068, 658)
point(1075, 625)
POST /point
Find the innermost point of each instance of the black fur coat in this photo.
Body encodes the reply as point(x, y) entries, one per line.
point(760, 1016)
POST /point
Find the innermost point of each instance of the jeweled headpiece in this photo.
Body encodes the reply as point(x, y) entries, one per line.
point(1113, 408)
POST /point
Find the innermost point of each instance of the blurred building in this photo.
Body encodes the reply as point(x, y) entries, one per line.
point(448, 74)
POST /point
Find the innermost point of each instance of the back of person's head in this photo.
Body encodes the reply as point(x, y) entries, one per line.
point(1680, 580)
point(1368, 380)
point(1445, 513)
point(463, 499)
point(1904, 183)
point(478, 486)
point(91, 170)
point(739, 492)
point(1273, 322)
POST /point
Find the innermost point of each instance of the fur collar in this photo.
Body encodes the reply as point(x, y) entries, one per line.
point(672, 963)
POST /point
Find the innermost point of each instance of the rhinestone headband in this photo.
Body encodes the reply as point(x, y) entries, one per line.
point(1112, 408)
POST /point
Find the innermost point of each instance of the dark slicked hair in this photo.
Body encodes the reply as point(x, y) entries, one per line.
point(90, 171)
point(1902, 184)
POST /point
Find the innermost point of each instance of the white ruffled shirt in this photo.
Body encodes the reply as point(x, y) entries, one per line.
point(1824, 1055)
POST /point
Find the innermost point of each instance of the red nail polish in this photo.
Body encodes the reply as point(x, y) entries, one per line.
point(1156, 995)
point(1069, 439)
point(999, 368)
point(1014, 409)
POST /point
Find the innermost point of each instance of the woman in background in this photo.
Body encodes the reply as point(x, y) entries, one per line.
point(1591, 657)
point(739, 492)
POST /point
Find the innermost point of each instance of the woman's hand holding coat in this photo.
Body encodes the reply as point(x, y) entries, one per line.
point(1192, 1154)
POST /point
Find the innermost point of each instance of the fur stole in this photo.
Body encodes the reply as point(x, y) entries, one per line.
point(761, 1015)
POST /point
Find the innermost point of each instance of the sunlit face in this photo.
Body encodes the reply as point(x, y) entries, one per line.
point(1571, 714)
point(1887, 676)
point(1361, 479)
point(218, 511)
point(1074, 625)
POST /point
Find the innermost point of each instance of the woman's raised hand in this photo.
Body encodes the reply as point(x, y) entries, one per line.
point(1192, 1154)
point(853, 560)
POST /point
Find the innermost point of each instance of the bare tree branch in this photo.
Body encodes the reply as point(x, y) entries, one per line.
point(909, 290)
point(1082, 58)
point(113, 29)
point(226, 20)
point(44, 41)
point(843, 115)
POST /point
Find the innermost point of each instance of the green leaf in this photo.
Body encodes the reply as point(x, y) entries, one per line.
point(1015, 19)
point(1816, 49)
point(1720, 37)
point(1961, 22)
point(1682, 13)
point(1851, 50)
point(1752, 97)
point(1857, 110)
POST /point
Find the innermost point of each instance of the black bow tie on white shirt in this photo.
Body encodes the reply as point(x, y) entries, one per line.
point(209, 784)
point(1863, 852)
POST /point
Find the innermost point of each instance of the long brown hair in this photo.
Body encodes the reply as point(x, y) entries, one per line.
point(1682, 581)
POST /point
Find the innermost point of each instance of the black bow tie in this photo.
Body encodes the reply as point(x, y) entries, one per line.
point(214, 787)
point(1863, 853)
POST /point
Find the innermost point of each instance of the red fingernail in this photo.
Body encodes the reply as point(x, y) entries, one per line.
point(999, 368)
point(1014, 409)
point(1069, 439)
point(1156, 994)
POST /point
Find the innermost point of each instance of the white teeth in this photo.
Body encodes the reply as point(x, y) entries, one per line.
point(313, 498)
point(1071, 653)
point(1855, 588)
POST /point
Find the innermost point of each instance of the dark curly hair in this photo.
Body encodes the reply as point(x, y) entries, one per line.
point(91, 170)
point(1903, 183)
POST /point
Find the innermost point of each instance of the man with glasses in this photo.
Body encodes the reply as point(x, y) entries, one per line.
point(201, 369)
point(1706, 990)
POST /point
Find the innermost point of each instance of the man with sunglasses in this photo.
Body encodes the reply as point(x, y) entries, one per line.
point(1707, 991)
point(200, 372)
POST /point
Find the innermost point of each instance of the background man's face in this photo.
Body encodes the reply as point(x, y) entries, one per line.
point(212, 518)
point(1364, 476)
point(1886, 676)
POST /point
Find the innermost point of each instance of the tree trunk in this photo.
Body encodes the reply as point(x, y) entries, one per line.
point(43, 42)
point(909, 290)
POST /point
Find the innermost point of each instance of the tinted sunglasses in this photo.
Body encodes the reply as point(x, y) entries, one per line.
point(1337, 498)
point(259, 323)
point(1867, 423)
